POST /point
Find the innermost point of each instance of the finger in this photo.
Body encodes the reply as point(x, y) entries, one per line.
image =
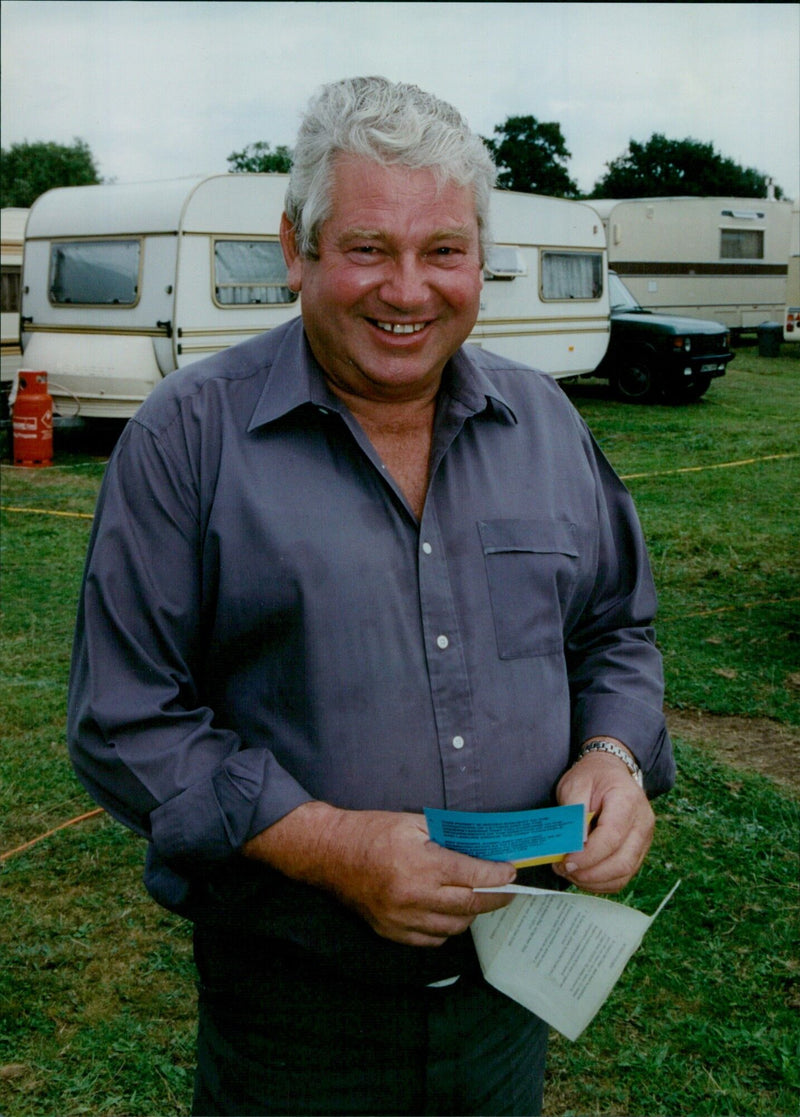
point(604, 887)
point(607, 841)
point(408, 936)
point(478, 903)
point(619, 860)
point(450, 912)
point(428, 928)
point(609, 874)
point(625, 826)
point(459, 870)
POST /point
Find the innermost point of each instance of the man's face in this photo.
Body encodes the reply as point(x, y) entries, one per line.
point(396, 288)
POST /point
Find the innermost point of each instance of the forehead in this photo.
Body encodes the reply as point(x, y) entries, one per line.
point(368, 195)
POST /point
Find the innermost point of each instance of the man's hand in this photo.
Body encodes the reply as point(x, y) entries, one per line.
point(619, 841)
point(383, 865)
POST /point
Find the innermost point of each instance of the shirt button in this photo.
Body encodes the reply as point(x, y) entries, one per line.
point(442, 642)
point(458, 742)
point(427, 548)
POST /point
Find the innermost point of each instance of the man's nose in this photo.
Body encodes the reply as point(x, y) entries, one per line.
point(405, 284)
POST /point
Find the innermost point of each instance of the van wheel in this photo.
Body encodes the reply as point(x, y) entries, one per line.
point(636, 380)
point(689, 390)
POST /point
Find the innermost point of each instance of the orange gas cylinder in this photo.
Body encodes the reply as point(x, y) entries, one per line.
point(32, 420)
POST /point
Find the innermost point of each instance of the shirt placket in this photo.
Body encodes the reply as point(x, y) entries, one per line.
point(449, 682)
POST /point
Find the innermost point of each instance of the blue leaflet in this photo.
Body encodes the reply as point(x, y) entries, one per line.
point(530, 837)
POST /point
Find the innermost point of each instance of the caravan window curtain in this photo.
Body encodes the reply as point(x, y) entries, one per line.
point(741, 244)
point(248, 272)
point(572, 275)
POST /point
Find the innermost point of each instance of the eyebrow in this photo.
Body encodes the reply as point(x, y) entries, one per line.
point(457, 232)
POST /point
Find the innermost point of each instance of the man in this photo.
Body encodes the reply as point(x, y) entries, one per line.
point(340, 573)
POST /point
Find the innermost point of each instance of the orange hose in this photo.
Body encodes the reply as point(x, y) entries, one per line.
point(33, 841)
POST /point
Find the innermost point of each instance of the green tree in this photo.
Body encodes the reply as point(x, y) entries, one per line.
point(28, 169)
point(531, 157)
point(666, 168)
point(258, 157)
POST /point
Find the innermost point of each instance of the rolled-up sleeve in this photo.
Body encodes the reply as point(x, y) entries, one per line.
point(140, 738)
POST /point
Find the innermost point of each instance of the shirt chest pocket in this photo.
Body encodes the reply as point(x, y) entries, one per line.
point(531, 568)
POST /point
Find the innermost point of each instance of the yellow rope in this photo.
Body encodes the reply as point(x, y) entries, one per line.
point(701, 468)
point(48, 512)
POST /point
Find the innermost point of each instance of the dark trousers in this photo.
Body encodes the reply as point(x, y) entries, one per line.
point(291, 1035)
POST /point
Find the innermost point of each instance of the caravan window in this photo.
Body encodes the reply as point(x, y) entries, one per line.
point(741, 244)
point(9, 298)
point(248, 272)
point(571, 275)
point(95, 272)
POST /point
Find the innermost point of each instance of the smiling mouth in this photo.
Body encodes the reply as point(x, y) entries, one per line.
point(399, 327)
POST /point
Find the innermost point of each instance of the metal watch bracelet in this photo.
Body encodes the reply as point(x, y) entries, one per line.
point(614, 750)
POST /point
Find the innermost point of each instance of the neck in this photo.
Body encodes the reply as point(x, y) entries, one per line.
point(390, 415)
point(402, 434)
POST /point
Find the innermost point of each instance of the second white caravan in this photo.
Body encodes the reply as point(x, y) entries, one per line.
point(722, 259)
point(125, 283)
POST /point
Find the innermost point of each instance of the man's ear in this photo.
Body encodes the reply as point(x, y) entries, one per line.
point(291, 254)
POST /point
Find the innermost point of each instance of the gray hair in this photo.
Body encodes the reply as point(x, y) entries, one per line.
point(392, 124)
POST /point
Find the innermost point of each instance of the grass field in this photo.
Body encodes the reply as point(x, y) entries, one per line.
point(96, 983)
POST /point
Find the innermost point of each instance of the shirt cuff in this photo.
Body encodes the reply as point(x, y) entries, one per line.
point(213, 819)
point(638, 726)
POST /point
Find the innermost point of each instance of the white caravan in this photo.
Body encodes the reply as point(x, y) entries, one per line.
point(124, 283)
point(791, 318)
point(717, 258)
point(12, 237)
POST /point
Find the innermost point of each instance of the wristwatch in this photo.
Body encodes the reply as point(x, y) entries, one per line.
point(615, 750)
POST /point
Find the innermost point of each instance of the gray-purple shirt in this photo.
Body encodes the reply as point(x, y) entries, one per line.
point(264, 620)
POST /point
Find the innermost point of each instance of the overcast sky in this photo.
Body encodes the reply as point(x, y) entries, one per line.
point(166, 89)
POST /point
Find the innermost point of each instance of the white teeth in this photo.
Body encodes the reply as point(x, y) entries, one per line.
point(410, 328)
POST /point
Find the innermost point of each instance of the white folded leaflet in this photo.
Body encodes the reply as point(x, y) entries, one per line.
point(558, 953)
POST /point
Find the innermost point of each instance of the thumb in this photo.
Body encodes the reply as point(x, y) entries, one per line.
point(487, 874)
